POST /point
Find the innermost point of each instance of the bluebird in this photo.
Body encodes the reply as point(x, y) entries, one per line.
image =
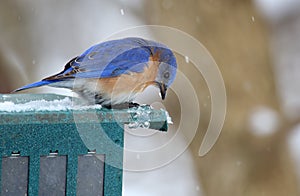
point(114, 72)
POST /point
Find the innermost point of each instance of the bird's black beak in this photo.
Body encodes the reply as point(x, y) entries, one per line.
point(163, 89)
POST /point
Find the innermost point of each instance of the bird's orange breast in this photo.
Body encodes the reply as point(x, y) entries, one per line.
point(131, 82)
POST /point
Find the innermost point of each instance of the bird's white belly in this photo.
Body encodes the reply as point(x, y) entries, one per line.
point(92, 92)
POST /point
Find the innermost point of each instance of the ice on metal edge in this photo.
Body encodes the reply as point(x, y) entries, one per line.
point(44, 105)
point(141, 118)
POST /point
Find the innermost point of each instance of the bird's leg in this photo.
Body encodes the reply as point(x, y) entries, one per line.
point(107, 106)
point(133, 105)
point(125, 105)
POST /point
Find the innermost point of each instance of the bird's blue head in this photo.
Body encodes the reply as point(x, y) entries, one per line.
point(167, 67)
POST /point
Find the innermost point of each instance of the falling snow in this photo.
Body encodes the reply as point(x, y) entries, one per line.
point(187, 60)
point(122, 12)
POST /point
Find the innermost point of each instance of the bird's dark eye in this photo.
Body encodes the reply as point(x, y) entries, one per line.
point(166, 75)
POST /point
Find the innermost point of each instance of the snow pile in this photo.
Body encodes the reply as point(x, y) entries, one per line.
point(169, 118)
point(44, 105)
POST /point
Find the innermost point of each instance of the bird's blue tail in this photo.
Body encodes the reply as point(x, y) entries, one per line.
point(36, 84)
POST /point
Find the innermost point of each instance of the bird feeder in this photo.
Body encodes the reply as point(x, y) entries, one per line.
point(54, 149)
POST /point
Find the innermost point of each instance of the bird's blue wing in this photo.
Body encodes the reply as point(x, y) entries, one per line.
point(113, 63)
point(108, 59)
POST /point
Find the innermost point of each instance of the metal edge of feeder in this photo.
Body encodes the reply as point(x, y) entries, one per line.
point(157, 118)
